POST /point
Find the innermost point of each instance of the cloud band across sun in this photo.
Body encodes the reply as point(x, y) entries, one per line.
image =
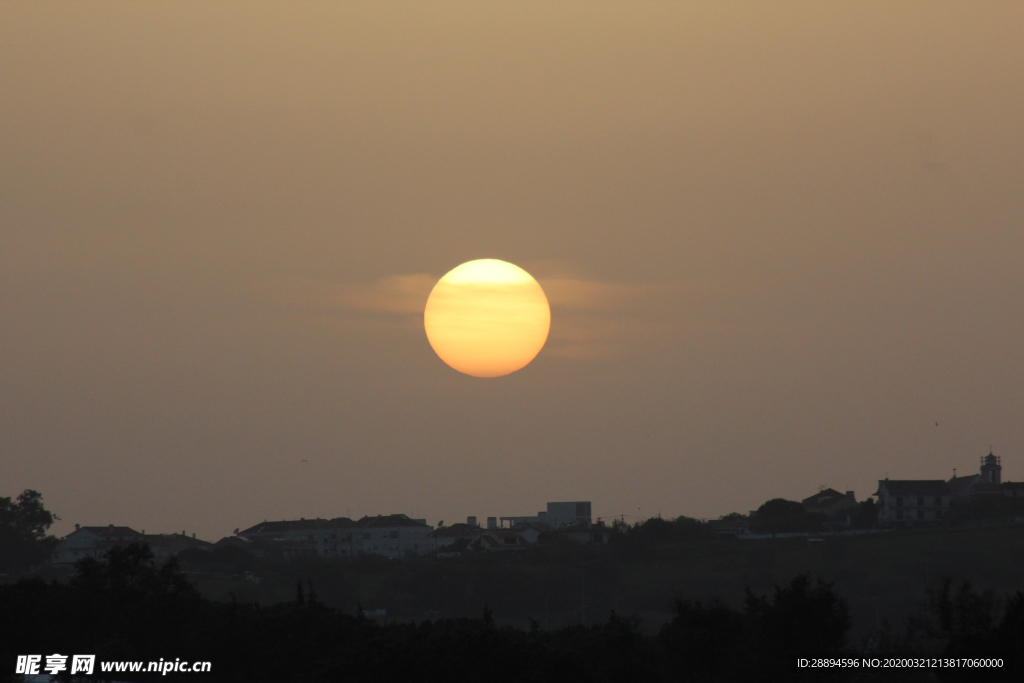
point(589, 318)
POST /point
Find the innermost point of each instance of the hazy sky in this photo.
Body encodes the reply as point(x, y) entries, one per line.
point(781, 242)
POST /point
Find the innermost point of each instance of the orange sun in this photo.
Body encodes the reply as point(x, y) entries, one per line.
point(487, 318)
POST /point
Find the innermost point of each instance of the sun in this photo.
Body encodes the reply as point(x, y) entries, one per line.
point(487, 318)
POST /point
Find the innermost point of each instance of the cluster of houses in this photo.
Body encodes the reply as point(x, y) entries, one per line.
point(909, 502)
point(901, 502)
point(95, 541)
point(391, 536)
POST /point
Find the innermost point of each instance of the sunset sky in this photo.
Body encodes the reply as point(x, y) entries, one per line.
point(780, 242)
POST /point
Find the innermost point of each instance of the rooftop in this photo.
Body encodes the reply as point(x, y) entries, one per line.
point(109, 530)
point(457, 531)
point(914, 487)
point(385, 521)
point(298, 525)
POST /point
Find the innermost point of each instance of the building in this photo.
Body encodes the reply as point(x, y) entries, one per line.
point(458, 537)
point(905, 502)
point(568, 514)
point(963, 487)
point(539, 518)
point(92, 541)
point(991, 477)
point(988, 481)
point(447, 537)
point(166, 546)
point(730, 526)
point(829, 502)
point(394, 536)
point(991, 469)
point(1013, 489)
point(507, 540)
point(288, 538)
point(387, 535)
point(95, 541)
point(557, 515)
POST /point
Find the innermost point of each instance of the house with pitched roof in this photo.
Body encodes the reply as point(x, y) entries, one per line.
point(166, 546)
point(387, 535)
point(395, 536)
point(829, 502)
point(95, 541)
point(289, 538)
point(447, 537)
point(907, 502)
point(92, 541)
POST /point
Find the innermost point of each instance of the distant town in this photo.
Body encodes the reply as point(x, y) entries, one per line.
point(898, 503)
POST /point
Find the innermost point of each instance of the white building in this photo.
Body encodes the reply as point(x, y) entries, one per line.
point(568, 514)
point(95, 541)
point(905, 502)
point(92, 541)
point(387, 535)
point(394, 536)
point(556, 516)
point(323, 537)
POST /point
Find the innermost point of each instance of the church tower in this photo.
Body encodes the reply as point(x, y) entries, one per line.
point(991, 469)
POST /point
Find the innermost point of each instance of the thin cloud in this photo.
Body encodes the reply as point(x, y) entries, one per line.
point(592, 319)
point(589, 318)
point(389, 302)
point(399, 294)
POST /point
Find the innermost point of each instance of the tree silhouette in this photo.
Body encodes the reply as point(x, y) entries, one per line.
point(779, 515)
point(23, 526)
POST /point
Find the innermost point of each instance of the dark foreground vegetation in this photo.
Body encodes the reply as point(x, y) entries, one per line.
point(127, 607)
point(23, 525)
point(885, 576)
point(665, 600)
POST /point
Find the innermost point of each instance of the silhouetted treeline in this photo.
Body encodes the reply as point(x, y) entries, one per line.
point(779, 515)
point(23, 525)
point(129, 608)
point(637, 539)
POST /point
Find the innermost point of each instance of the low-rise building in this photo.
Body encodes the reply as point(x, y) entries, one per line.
point(92, 541)
point(731, 526)
point(387, 535)
point(1013, 489)
point(523, 520)
point(447, 536)
point(165, 546)
point(96, 541)
point(568, 514)
point(503, 540)
point(322, 537)
point(557, 515)
point(906, 502)
point(963, 487)
point(829, 502)
point(837, 508)
point(394, 536)
point(988, 481)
